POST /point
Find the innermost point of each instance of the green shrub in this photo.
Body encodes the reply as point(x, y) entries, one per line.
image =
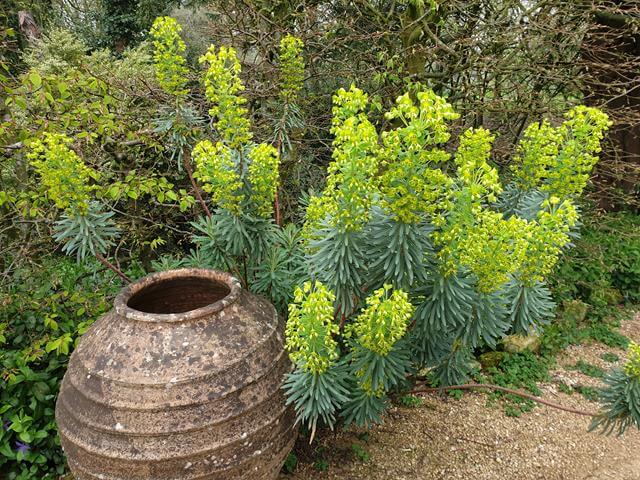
point(604, 266)
point(42, 315)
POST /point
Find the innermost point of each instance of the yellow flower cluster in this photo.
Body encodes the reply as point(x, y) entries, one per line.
point(310, 328)
point(559, 160)
point(263, 176)
point(632, 367)
point(493, 248)
point(474, 171)
point(546, 236)
point(216, 170)
point(291, 68)
point(584, 129)
point(537, 153)
point(319, 207)
point(223, 87)
point(348, 103)
point(170, 64)
point(410, 187)
point(62, 172)
point(351, 183)
point(425, 123)
point(447, 239)
point(384, 321)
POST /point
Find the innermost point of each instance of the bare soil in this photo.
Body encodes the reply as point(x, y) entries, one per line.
point(474, 439)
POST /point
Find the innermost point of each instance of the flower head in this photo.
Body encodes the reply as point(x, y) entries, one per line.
point(474, 171)
point(22, 448)
point(351, 182)
point(223, 87)
point(171, 69)
point(216, 169)
point(263, 176)
point(559, 160)
point(310, 328)
point(546, 237)
point(384, 321)
point(632, 367)
point(62, 172)
point(291, 68)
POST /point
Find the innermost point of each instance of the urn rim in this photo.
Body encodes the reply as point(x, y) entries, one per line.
point(121, 302)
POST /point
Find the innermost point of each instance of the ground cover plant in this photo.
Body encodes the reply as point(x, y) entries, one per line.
point(418, 253)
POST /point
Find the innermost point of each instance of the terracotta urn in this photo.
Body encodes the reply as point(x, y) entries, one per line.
point(181, 380)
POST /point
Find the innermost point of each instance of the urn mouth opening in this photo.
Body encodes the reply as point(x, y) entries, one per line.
point(177, 295)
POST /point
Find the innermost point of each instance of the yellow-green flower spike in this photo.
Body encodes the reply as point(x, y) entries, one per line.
point(424, 123)
point(263, 176)
point(217, 172)
point(546, 236)
point(410, 189)
point(319, 207)
point(62, 172)
point(384, 321)
point(351, 180)
point(536, 154)
point(291, 68)
point(493, 249)
point(559, 160)
point(632, 367)
point(168, 55)
point(223, 88)
point(584, 129)
point(412, 185)
point(474, 171)
point(310, 329)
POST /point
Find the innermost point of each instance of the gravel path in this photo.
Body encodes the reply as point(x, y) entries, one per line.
point(467, 439)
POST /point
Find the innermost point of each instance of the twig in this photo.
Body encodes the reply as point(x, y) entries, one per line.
point(481, 386)
point(186, 155)
point(111, 266)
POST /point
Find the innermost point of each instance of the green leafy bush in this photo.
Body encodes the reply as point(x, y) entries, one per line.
point(604, 266)
point(43, 314)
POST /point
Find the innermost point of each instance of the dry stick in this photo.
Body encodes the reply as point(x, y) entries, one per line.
point(111, 266)
point(187, 166)
point(480, 386)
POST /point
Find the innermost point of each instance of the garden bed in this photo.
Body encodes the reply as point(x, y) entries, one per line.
point(446, 438)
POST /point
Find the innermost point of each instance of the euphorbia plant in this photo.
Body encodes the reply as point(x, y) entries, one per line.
point(235, 179)
point(462, 260)
point(85, 228)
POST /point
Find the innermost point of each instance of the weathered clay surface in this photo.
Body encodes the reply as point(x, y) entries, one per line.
point(181, 380)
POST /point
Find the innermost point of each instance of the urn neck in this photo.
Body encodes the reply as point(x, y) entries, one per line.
point(177, 295)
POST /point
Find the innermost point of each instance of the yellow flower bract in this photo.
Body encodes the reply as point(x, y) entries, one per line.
point(216, 170)
point(263, 176)
point(384, 321)
point(168, 55)
point(559, 160)
point(222, 88)
point(291, 68)
point(310, 328)
point(62, 172)
point(632, 367)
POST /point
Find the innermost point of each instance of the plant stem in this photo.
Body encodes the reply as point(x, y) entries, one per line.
point(111, 266)
point(276, 201)
point(488, 386)
point(186, 156)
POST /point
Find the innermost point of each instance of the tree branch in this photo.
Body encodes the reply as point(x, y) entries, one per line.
point(487, 386)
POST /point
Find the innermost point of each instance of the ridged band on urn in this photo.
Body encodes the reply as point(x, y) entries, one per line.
point(181, 380)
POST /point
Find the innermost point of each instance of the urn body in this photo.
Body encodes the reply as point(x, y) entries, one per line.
point(181, 380)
